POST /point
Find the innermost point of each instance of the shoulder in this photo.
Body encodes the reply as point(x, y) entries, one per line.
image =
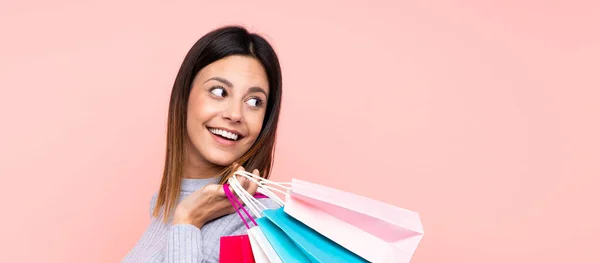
point(153, 202)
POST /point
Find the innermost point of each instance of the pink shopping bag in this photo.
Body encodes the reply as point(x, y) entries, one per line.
point(235, 249)
point(376, 231)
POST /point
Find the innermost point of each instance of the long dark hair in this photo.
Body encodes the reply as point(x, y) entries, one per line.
point(218, 44)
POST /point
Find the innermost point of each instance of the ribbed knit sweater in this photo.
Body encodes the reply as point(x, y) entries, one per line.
point(186, 243)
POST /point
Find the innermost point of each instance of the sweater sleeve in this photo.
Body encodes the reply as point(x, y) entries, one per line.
point(187, 244)
point(184, 244)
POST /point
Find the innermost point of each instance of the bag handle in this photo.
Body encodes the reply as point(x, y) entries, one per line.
point(250, 201)
point(256, 178)
point(261, 187)
point(235, 201)
point(264, 185)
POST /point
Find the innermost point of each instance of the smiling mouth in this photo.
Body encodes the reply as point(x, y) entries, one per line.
point(225, 134)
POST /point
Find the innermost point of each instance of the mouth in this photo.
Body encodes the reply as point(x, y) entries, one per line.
point(226, 134)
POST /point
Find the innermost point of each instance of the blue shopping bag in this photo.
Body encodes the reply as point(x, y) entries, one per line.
point(315, 246)
point(287, 251)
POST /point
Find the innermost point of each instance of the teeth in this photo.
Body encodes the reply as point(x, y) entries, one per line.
point(225, 134)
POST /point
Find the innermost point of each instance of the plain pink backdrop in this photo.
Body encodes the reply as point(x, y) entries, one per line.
point(483, 117)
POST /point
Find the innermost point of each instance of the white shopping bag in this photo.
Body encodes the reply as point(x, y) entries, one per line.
point(259, 254)
point(262, 249)
point(376, 231)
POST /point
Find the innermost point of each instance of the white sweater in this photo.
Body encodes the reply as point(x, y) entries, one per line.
point(186, 243)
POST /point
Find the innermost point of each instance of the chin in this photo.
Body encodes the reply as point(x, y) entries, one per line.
point(221, 162)
point(222, 159)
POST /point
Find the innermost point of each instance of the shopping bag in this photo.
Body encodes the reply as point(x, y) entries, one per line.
point(294, 241)
point(376, 231)
point(235, 249)
point(315, 246)
point(285, 248)
point(260, 248)
point(263, 250)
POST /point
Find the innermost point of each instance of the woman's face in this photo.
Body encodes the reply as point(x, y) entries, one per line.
point(226, 109)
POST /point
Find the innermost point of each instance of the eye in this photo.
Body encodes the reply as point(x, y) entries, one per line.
point(255, 102)
point(218, 91)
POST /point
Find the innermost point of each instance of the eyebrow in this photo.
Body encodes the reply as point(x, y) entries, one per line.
point(222, 80)
point(230, 85)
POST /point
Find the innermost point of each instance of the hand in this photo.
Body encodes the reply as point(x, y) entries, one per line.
point(209, 203)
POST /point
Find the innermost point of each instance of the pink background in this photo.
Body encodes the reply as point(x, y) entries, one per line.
point(483, 117)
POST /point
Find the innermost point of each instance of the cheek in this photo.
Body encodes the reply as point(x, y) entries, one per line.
point(201, 110)
point(255, 122)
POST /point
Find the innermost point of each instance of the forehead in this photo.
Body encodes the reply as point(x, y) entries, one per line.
point(242, 71)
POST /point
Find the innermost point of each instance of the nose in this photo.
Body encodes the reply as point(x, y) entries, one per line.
point(233, 112)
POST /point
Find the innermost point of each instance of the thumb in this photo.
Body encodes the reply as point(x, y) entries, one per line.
point(220, 190)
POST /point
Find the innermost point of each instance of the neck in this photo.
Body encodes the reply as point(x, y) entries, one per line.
point(195, 167)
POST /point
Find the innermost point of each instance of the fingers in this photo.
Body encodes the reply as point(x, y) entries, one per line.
point(252, 186)
point(243, 180)
point(249, 185)
point(217, 189)
point(256, 172)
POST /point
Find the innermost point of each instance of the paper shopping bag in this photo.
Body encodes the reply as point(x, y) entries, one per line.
point(235, 249)
point(257, 251)
point(263, 250)
point(314, 245)
point(376, 231)
point(285, 248)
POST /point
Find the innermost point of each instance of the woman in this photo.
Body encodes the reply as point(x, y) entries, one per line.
point(223, 112)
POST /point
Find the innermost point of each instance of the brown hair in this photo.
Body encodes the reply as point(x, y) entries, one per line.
point(218, 44)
